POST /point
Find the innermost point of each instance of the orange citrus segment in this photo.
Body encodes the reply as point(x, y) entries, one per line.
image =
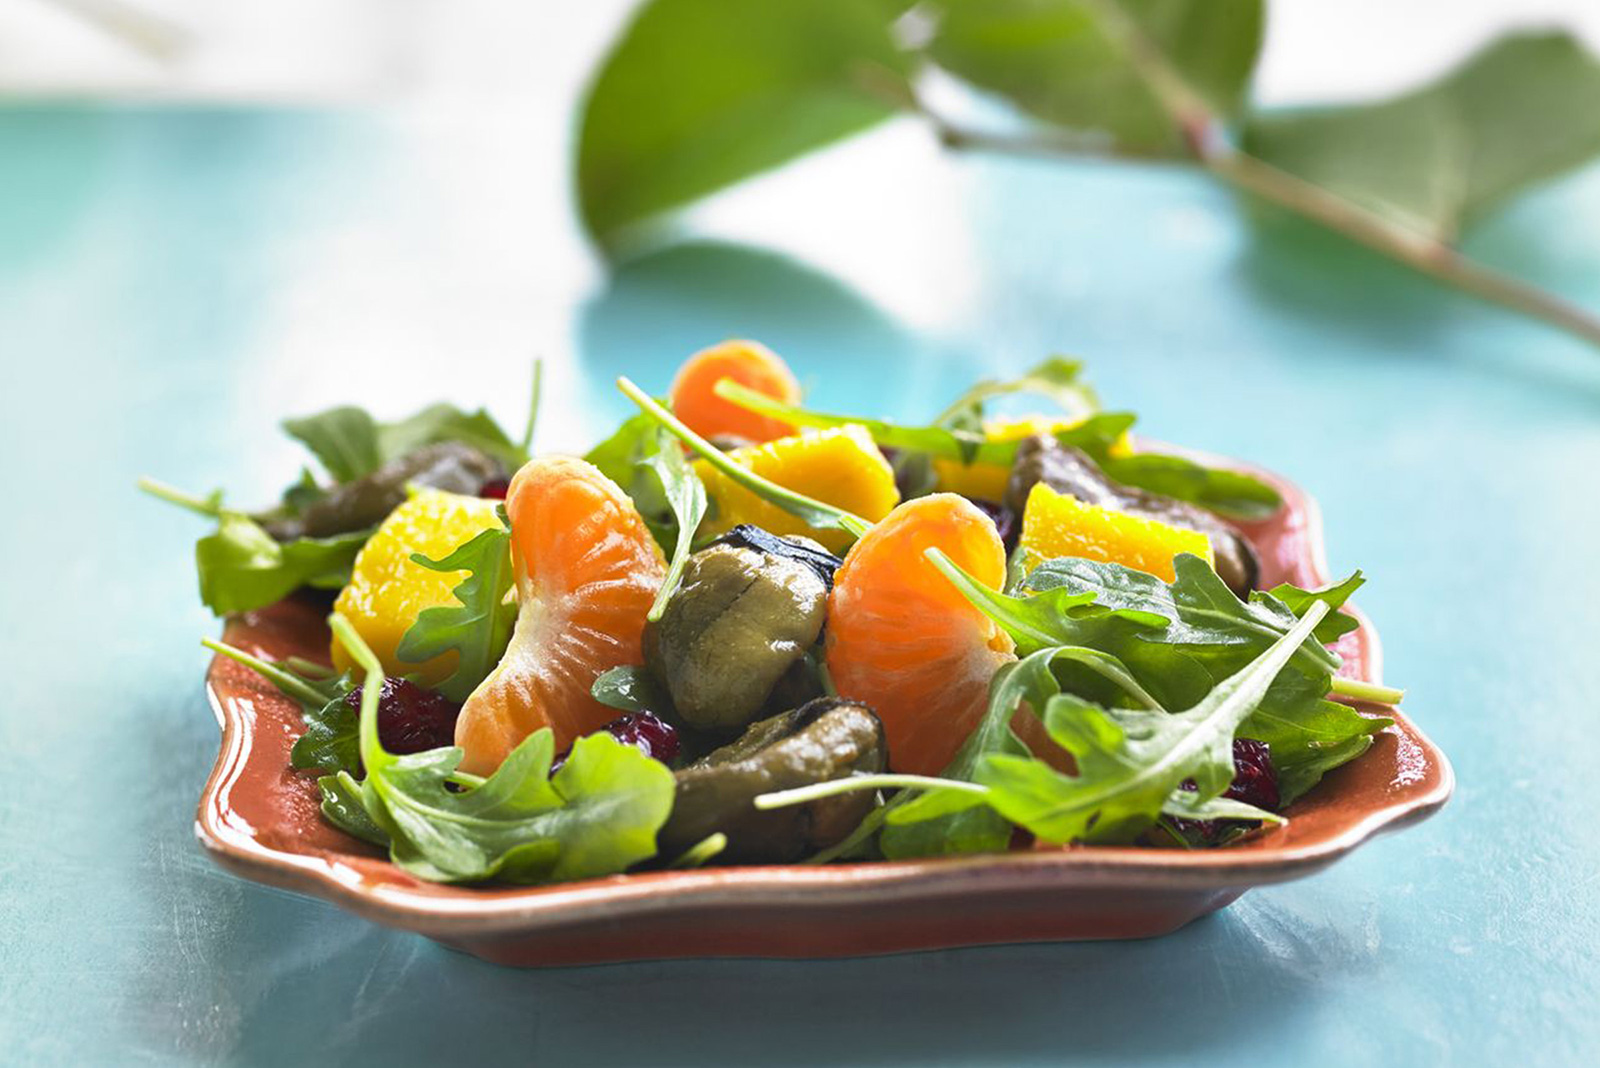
point(749, 363)
point(988, 481)
point(904, 641)
point(840, 466)
point(1055, 524)
point(587, 569)
point(387, 591)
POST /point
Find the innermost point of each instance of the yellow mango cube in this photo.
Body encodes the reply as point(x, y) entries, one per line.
point(1057, 524)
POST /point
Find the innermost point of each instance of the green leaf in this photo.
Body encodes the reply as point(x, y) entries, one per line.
point(350, 443)
point(1522, 110)
point(1233, 494)
point(630, 688)
point(342, 807)
point(597, 815)
point(699, 94)
point(1095, 435)
point(944, 820)
point(1058, 378)
point(685, 495)
point(241, 567)
point(345, 439)
point(1308, 735)
point(1084, 64)
point(618, 456)
point(479, 627)
point(330, 742)
point(1196, 610)
point(1130, 762)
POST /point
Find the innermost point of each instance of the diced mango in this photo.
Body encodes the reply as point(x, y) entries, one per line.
point(988, 481)
point(839, 466)
point(387, 590)
point(1056, 524)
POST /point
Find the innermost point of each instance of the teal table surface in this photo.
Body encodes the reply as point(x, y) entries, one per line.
point(175, 280)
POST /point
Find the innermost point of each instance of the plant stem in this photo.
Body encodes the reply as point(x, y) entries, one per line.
point(1203, 133)
point(533, 408)
point(283, 680)
point(816, 791)
point(814, 512)
point(210, 507)
point(1367, 691)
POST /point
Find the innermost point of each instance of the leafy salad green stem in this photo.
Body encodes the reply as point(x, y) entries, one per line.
point(287, 681)
point(801, 795)
point(814, 512)
point(209, 506)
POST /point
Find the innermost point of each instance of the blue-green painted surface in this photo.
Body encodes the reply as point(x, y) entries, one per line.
point(171, 282)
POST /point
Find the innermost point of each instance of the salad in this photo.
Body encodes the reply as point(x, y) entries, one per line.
point(739, 630)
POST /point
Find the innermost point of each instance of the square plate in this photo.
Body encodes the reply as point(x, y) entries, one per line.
point(260, 818)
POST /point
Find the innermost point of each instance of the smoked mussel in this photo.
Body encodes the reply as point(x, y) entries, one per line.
point(1068, 470)
point(736, 632)
point(820, 741)
point(452, 466)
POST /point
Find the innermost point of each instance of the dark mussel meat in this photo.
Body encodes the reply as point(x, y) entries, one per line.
point(820, 741)
point(446, 465)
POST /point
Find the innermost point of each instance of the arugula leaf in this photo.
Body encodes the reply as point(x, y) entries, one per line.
point(597, 815)
point(618, 456)
point(242, 567)
point(1308, 735)
point(630, 688)
point(345, 439)
point(330, 741)
point(945, 820)
point(1196, 610)
point(480, 628)
point(685, 496)
point(1232, 494)
point(1131, 762)
point(342, 806)
point(350, 443)
point(1058, 378)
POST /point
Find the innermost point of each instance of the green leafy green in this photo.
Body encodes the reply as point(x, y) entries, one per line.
point(330, 742)
point(1233, 494)
point(479, 627)
point(1196, 610)
point(350, 443)
point(1086, 64)
point(618, 456)
point(242, 567)
point(1058, 378)
point(679, 485)
point(695, 96)
point(1519, 111)
point(597, 815)
point(1308, 735)
point(630, 688)
point(1132, 763)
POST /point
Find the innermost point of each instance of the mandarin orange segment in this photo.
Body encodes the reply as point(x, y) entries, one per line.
point(749, 363)
point(840, 466)
point(904, 641)
point(1056, 524)
point(988, 481)
point(587, 570)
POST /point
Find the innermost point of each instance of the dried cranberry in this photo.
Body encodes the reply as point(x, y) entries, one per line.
point(1005, 520)
point(1254, 782)
point(410, 718)
point(653, 737)
point(495, 489)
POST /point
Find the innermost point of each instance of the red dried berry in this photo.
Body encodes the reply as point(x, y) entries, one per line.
point(1005, 520)
point(410, 718)
point(1255, 782)
point(653, 737)
point(495, 489)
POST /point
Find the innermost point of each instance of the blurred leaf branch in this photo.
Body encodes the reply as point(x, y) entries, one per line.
point(699, 94)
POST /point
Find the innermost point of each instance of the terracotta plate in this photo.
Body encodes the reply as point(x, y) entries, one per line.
point(259, 818)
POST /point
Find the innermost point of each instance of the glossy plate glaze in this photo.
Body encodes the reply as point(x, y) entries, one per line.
point(260, 818)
